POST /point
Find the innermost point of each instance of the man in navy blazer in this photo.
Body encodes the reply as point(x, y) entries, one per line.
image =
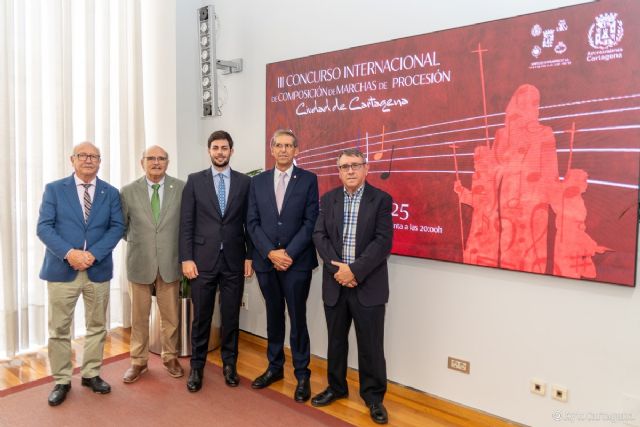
point(283, 207)
point(80, 223)
point(353, 236)
point(214, 248)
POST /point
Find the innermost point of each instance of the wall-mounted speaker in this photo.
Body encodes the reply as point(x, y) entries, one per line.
point(208, 74)
point(210, 64)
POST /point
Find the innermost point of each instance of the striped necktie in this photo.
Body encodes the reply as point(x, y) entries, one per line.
point(87, 201)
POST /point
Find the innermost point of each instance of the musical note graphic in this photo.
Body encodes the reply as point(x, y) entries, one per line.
point(366, 140)
point(378, 155)
point(387, 174)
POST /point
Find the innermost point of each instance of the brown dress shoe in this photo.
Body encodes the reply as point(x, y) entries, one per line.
point(133, 373)
point(174, 368)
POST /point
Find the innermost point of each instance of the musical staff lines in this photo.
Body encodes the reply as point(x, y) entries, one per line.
point(414, 148)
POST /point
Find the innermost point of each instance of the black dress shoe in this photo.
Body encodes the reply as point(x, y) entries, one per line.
point(194, 383)
point(58, 394)
point(378, 413)
point(97, 384)
point(268, 378)
point(231, 377)
point(303, 391)
point(327, 397)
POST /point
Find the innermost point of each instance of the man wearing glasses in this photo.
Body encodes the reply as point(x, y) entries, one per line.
point(80, 223)
point(355, 282)
point(151, 210)
point(283, 207)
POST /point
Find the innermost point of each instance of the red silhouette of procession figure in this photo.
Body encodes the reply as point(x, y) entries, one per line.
point(514, 185)
point(483, 241)
point(526, 173)
point(574, 248)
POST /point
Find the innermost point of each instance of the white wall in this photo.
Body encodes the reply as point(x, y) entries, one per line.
point(158, 45)
point(510, 326)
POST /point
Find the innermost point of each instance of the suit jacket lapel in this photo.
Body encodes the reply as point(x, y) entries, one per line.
point(367, 196)
point(233, 189)
point(143, 198)
point(293, 180)
point(270, 190)
point(72, 195)
point(338, 215)
point(167, 197)
point(98, 199)
point(210, 189)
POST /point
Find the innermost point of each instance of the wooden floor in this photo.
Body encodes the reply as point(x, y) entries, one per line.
point(406, 407)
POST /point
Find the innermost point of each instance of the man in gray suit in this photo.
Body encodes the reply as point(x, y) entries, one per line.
point(151, 208)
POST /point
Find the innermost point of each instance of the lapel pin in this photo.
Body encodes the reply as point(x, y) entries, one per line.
point(295, 176)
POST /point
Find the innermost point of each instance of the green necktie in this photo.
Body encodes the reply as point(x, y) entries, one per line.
point(155, 202)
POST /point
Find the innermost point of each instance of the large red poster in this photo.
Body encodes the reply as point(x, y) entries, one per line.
point(511, 144)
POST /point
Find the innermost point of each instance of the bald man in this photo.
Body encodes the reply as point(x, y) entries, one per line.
point(80, 223)
point(151, 210)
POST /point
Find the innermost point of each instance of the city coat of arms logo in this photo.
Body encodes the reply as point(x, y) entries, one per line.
point(606, 32)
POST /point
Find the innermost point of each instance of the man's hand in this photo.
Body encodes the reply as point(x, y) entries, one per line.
point(280, 259)
point(80, 260)
point(248, 269)
point(189, 269)
point(90, 259)
point(344, 275)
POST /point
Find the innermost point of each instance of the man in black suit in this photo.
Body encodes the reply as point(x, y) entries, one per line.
point(283, 207)
point(214, 249)
point(355, 281)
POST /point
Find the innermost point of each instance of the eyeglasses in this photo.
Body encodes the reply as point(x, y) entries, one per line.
point(156, 158)
point(287, 147)
point(352, 166)
point(84, 156)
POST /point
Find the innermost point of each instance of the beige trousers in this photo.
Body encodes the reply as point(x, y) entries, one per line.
point(167, 295)
point(63, 297)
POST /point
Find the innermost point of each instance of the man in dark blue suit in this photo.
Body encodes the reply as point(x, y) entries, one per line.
point(80, 223)
point(283, 207)
point(214, 249)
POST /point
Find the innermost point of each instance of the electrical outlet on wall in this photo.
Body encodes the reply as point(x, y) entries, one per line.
point(459, 365)
point(537, 386)
point(559, 392)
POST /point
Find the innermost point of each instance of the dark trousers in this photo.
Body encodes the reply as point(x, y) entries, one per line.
point(292, 288)
point(203, 294)
point(369, 323)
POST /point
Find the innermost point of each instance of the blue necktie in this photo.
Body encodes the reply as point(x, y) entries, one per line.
point(221, 193)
